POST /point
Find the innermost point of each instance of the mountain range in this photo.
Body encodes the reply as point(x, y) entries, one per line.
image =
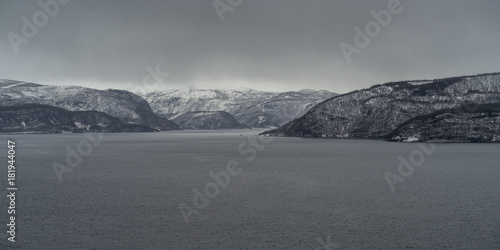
point(377, 111)
point(126, 106)
point(252, 108)
point(173, 109)
point(421, 110)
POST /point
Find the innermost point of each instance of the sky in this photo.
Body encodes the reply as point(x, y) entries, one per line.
point(274, 45)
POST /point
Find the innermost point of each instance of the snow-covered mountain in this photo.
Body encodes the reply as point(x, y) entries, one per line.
point(250, 107)
point(128, 107)
point(206, 120)
point(377, 111)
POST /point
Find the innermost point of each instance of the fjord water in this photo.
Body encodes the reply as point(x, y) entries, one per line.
point(294, 194)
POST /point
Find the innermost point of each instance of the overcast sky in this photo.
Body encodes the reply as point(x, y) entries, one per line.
point(261, 44)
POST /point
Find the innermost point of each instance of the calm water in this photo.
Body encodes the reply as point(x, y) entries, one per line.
point(292, 194)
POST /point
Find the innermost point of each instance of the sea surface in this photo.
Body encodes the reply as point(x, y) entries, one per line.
point(158, 191)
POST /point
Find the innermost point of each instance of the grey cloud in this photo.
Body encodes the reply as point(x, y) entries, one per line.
point(275, 45)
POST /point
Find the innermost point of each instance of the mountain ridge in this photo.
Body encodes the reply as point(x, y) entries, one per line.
point(39, 118)
point(252, 108)
point(124, 105)
point(376, 111)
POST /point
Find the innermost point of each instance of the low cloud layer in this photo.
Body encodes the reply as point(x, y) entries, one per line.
point(268, 45)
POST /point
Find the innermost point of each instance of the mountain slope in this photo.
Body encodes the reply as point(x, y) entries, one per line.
point(481, 124)
point(375, 112)
point(206, 120)
point(126, 106)
point(37, 118)
point(250, 107)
